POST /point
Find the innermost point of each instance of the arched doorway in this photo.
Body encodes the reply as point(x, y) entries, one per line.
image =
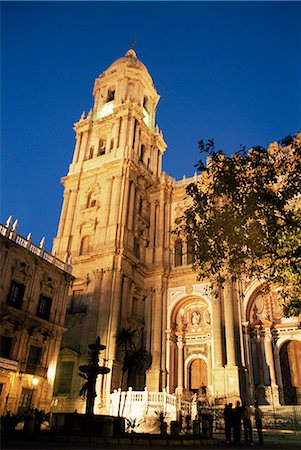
point(197, 375)
point(290, 356)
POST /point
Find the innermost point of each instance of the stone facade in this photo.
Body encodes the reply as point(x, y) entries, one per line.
point(131, 271)
point(33, 291)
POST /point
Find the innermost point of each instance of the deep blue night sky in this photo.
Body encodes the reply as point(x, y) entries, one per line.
point(227, 70)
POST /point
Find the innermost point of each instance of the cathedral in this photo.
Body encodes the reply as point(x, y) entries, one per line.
point(131, 271)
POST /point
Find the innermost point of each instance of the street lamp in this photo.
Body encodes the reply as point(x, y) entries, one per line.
point(34, 382)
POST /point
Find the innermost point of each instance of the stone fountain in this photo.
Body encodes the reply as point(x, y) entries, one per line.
point(90, 373)
point(88, 423)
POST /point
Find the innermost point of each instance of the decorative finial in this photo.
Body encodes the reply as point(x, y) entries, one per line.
point(42, 242)
point(15, 225)
point(9, 221)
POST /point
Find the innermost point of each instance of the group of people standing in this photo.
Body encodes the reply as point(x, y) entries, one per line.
point(235, 417)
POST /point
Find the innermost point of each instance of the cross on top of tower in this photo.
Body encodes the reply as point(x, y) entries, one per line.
point(133, 42)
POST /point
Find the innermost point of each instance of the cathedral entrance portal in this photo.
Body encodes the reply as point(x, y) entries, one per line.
point(197, 375)
point(290, 355)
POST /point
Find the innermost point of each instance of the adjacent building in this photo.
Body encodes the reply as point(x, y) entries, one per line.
point(131, 271)
point(33, 291)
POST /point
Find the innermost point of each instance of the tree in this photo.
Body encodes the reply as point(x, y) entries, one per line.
point(245, 217)
point(134, 358)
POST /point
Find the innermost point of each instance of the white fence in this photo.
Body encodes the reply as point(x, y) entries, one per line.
point(144, 407)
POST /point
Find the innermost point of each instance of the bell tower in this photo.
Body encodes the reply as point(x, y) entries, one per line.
point(117, 137)
point(105, 219)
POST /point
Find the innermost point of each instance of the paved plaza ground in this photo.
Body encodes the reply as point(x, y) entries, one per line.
point(279, 440)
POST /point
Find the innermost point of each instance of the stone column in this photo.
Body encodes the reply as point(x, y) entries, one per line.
point(96, 101)
point(153, 376)
point(264, 366)
point(152, 224)
point(161, 230)
point(130, 132)
point(248, 357)
point(229, 324)
point(131, 206)
point(157, 341)
point(106, 213)
point(83, 146)
point(180, 346)
point(70, 214)
point(124, 205)
point(164, 343)
point(123, 132)
point(270, 356)
point(259, 358)
point(217, 331)
point(272, 392)
point(114, 320)
point(115, 311)
point(137, 132)
point(77, 147)
point(124, 301)
point(168, 331)
point(159, 163)
point(115, 200)
point(64, 213)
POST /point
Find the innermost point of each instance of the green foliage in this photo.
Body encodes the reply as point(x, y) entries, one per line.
point(131, 424)
point(85, 387)
point(245, 217)
point(134, 358)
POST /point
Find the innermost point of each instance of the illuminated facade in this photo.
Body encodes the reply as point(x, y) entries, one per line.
point(34, 289)
point(131, 272)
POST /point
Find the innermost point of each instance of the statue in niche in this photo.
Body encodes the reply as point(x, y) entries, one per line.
point(195, 318)
point(255, 315)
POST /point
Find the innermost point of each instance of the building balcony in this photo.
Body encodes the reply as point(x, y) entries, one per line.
point(33, 369)
point(8, 364)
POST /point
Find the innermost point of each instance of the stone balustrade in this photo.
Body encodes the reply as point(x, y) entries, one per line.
point(10, 232)
point(144, 406)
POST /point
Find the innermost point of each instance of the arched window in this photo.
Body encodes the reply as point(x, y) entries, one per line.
point(190, 252)
point(178, 252)
point(101, 147)
point(91, 153)
point(158, 162)
point(142, 152)
point(111, 94)
point(145, 103)
point(84, 246)
point(140, 205)
point(131, 90)
point(112, 144)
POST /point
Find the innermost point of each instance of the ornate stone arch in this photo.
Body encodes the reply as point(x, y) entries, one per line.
point(193, 303)
point(189, 334)
point(92, 195)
